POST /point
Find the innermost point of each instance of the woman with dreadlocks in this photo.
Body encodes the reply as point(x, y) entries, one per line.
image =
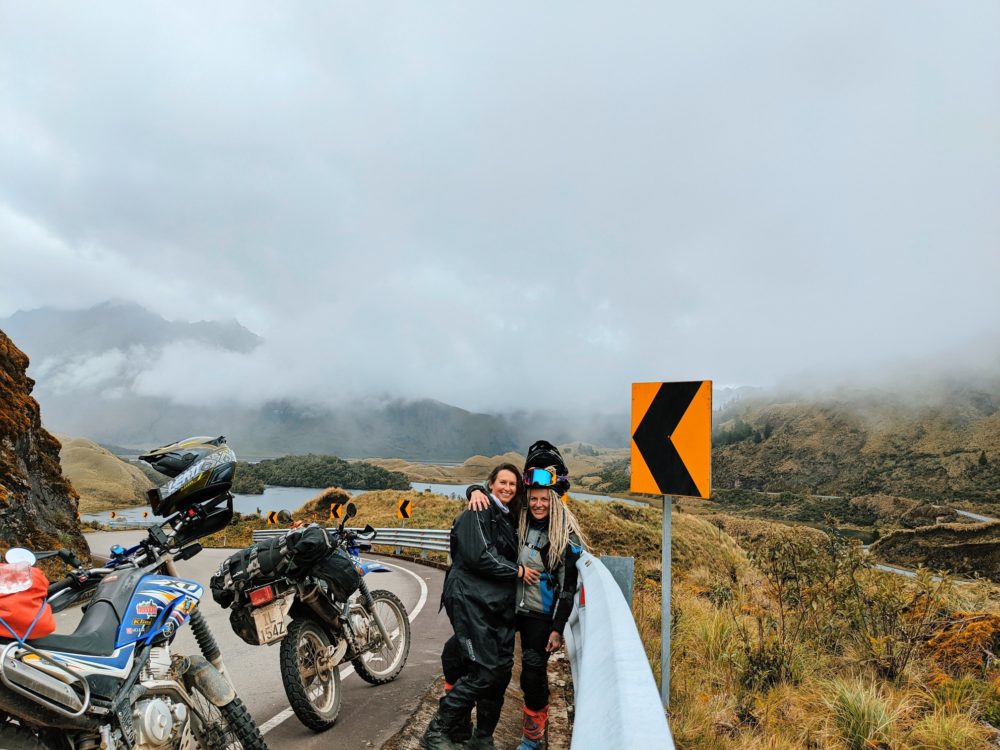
point(549, 542)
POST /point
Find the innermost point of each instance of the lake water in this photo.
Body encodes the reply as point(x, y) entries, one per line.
point(292, 498)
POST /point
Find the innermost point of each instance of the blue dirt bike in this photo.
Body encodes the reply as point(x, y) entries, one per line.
point(116, 683)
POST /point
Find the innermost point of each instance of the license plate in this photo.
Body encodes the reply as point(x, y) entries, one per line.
point(270, 622)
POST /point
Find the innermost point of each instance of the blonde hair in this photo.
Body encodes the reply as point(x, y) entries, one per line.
point(562, 523)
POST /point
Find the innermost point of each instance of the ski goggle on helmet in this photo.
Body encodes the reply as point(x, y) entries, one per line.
point(542, 478)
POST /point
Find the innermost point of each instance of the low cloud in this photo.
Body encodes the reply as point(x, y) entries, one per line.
point(463, 205)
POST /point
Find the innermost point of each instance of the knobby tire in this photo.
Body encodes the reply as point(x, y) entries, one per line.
point(299, 649)
point(376, 677)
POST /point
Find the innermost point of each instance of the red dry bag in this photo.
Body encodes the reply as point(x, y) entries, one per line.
point(19, 610)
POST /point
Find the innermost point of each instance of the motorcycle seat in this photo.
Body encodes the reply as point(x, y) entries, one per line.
point(97, 631)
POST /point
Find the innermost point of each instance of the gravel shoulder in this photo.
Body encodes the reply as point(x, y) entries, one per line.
point(508, 734)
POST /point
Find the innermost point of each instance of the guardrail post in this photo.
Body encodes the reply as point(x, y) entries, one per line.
point(622, 570)
point(399, 550)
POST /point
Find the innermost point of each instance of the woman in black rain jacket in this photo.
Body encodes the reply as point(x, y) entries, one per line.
point(479, 599)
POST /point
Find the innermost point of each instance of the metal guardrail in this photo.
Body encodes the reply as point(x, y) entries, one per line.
point(422, 539)
point(617, 700)
point(127, 524)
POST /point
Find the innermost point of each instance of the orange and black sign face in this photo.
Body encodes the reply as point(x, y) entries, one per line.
point(403, 509)
point(337, 511)
point(672, 438)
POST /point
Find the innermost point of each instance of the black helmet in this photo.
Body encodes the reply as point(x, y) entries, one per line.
point(543, 455)
point(201, 467)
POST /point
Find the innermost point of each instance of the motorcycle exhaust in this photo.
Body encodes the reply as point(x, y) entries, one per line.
point(31, 713)
point(50, 687)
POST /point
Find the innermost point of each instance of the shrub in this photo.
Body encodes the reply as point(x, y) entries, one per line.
point(894, 621)
point(965, 643)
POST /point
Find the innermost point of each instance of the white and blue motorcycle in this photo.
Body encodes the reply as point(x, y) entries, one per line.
point(115, 683)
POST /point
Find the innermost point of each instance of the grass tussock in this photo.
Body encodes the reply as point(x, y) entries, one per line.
point(862, 714)
point(941, 730)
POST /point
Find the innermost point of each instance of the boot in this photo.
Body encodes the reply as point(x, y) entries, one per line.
point(533, 728)
point(436, 737)
point(462, 730)
point(480, 742)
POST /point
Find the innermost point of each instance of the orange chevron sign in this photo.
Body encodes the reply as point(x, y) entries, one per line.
point(672, 438)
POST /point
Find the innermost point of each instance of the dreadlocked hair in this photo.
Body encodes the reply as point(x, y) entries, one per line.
point(562, 523)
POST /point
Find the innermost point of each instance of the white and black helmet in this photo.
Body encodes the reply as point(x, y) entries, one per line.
point(200, 467)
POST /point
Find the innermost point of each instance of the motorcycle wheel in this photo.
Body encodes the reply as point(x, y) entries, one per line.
point(314, 694)
point(229, 727)
point(383, 663)
point(18, 738)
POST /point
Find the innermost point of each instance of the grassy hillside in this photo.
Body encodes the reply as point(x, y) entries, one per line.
point(943, 447)
point(965, 549)
point(102, 479)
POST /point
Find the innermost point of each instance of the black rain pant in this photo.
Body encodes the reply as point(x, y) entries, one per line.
point(534, 660)
point(477, 661)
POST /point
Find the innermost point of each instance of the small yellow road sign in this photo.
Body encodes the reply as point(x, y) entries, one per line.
point(404, 509)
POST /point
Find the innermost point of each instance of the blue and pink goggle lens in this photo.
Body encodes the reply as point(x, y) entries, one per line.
point(541, 478)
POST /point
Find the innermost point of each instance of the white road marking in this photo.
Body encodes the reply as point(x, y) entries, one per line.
point(348, 670)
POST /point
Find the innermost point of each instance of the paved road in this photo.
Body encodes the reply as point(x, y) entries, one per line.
point(369, 715)
point(975, 516)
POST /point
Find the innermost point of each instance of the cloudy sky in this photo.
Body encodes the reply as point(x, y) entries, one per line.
point(511, 203)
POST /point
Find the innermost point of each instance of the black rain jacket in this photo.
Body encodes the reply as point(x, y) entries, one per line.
point(479, 589)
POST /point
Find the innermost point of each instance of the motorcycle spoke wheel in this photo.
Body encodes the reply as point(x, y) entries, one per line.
point(311, 684)
point(227, 728)
point(382, 662)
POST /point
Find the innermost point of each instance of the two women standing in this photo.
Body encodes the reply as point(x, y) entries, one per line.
point(531, 588)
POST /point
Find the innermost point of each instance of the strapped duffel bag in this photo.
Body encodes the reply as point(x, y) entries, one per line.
point(291, 555)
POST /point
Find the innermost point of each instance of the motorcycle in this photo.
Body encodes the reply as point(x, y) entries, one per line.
point(323, 616)
point(115, 682)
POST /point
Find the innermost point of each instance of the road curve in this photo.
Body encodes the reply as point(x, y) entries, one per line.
point(369, 715)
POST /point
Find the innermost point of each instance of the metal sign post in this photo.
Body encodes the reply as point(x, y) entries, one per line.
point(665, 578)
point(671, 454)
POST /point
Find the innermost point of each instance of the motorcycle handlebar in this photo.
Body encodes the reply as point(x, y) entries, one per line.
point(69, 558)
point(59, 586)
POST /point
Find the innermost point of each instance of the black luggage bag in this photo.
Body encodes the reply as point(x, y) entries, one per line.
point(292, 555)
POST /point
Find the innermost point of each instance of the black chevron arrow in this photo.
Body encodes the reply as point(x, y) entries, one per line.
point(652, 438)
point(404, 508)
